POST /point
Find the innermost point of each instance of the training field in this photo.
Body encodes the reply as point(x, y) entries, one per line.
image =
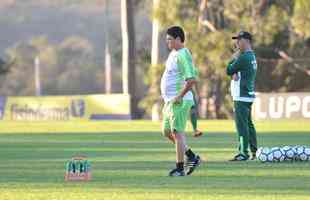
point(130, 160)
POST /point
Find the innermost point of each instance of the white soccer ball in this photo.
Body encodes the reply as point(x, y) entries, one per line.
point(270, 156)
point(262, 154)
point(289, 153)
point(307, 152)
point(301, 153)
point(278, 154)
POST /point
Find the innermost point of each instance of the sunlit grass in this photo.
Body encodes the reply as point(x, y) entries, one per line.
point(130, 160)
point(143, 126)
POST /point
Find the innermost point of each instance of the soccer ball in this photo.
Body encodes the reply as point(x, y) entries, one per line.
point(289, 153)
point(263, 154)
point(307, 152)
point(270, 156)
point(278, 154)
point(301, 153)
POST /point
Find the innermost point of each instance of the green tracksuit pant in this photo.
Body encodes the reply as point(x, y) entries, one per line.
point(245, 127)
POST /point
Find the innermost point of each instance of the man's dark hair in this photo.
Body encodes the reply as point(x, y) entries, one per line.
point(176, 31)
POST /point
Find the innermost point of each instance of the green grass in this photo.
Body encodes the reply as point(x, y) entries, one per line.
point(130, 160)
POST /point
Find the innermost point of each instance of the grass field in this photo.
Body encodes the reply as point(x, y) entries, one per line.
point(130, 160)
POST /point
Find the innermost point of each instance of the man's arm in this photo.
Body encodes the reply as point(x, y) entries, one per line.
point(188, 72)
point(235, 64)
point(189, 83)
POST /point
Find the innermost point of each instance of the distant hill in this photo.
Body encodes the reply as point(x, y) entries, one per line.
point(21, 20)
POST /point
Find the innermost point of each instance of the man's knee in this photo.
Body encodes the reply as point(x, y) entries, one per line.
point(178, 136)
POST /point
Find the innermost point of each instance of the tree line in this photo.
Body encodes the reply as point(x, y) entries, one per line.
point(281, 42)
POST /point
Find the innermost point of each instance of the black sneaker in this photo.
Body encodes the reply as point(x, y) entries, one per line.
point(253, 156)
point(240, 157)
point(176, 172)
point(192, 164)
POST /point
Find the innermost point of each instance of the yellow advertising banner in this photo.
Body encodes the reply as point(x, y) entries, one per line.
point(65, 108)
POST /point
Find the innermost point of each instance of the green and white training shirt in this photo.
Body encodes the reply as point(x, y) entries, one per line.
point(245, 66)
point(179, 68)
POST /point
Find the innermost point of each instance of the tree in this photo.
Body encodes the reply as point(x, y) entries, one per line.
point(204, 43)
point(301, 18)
point(66, 68)
point(5, 66)
point(155, 66)
point(128, 53)
point(209, 25)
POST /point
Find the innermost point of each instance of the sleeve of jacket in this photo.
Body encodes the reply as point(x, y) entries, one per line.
point(234, 66)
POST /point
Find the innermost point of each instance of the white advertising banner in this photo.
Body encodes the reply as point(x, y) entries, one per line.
point(282, 106)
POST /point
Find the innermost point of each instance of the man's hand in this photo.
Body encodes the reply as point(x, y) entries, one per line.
point(236, 55)
point(177, 100)
point(235, 77)
point(189, 83)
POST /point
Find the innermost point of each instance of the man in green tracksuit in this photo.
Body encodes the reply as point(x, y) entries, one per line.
point(242, 68)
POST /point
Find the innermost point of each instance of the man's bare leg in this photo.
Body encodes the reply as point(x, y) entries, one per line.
point(180, 147)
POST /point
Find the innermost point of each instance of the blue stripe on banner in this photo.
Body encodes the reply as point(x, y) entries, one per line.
point(109, 116)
